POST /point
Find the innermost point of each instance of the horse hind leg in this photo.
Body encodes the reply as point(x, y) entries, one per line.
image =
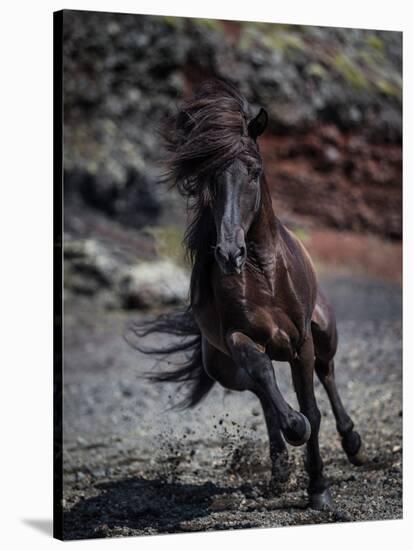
point(350, 439)
point(324, 331)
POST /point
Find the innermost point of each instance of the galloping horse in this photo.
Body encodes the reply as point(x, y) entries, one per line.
point(254, 297)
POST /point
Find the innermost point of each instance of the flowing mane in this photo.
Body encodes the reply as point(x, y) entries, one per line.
point(206, 134)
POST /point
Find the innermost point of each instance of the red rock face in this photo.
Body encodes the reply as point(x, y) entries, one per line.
point(325, 177)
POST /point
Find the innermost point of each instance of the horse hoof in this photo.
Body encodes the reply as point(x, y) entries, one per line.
point(359, 458)
point(321, 501)
point(304, 438)
point(354, 448)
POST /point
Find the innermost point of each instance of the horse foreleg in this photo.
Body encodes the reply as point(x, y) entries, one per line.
point(280, 466)
point(350, 439)
point(226, 372)
point(257, 365)
point(302, 370)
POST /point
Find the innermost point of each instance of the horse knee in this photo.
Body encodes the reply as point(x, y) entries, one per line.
point(243, 347)
point(324, 369)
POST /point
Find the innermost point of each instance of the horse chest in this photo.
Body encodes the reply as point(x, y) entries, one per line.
point(236, 304)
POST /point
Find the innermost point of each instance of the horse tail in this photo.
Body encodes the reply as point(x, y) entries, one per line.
point(190, 371)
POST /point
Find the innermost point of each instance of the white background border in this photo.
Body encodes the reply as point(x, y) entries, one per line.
point(26, 267)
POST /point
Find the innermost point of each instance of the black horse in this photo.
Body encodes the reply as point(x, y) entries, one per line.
point(254, 297)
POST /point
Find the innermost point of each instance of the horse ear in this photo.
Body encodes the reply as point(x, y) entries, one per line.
point(258, 124)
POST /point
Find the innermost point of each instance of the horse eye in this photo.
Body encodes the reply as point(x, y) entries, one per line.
point(255, 176)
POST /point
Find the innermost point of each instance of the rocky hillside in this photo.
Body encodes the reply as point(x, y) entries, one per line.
point(333, 147)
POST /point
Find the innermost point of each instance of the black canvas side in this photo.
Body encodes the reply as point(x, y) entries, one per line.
point(57, 274)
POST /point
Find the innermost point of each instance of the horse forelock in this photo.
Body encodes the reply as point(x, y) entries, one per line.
point(209, 131)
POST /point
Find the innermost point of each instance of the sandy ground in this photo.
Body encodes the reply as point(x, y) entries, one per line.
point(133, 467)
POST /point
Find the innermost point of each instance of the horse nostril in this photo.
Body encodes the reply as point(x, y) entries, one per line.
point(220, 253)
point(237, 257)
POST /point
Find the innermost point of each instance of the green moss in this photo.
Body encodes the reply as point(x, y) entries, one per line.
point(350, 71)
point(389, 88)
point(315, 69)
point(248, 36)
point(168, 242)
point(282, 40)
point(269, 35)
point(375, 42)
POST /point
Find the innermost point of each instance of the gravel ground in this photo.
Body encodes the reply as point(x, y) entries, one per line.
point(133, 467)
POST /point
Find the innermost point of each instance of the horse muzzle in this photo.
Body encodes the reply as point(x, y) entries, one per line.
point(230, 257)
